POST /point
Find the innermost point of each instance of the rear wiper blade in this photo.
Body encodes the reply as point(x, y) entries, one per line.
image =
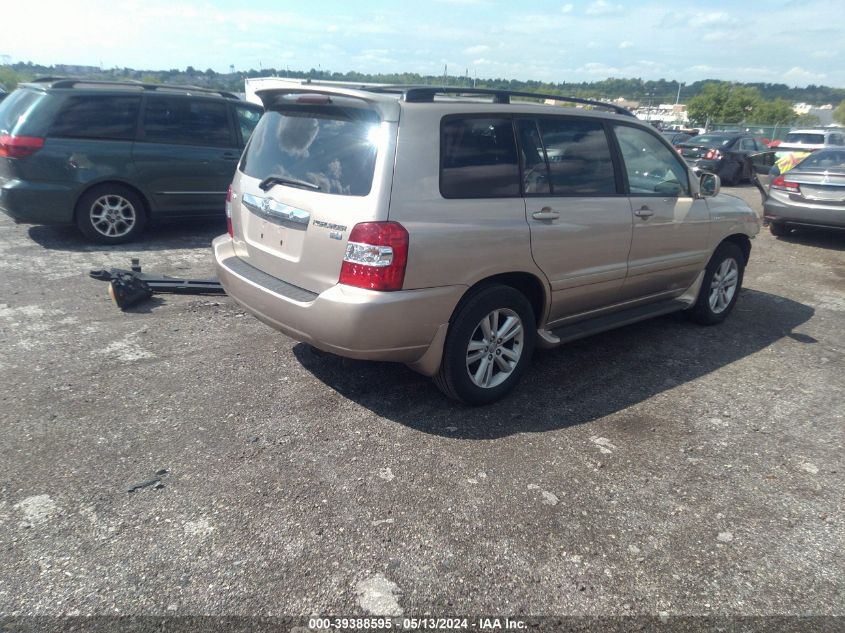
point(270, 181)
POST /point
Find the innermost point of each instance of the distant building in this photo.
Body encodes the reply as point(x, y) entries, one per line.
point(76, 70)
point(666, 113)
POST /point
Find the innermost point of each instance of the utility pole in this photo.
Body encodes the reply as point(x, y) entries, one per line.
point(678, 98)
point(445, 74)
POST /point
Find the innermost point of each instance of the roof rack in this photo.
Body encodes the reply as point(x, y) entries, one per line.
point(65, 82)
point(424, 94)
point(415, 93)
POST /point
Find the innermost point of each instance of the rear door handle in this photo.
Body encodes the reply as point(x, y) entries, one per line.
point(546, 213)
point(231, 156)
point(644, 212)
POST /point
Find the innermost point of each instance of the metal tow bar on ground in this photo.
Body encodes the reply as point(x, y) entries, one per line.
point(129, 287)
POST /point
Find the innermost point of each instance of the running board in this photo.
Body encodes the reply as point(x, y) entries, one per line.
point(583, 329)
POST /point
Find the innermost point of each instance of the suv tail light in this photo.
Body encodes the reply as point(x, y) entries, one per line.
point(780, 182)
point(19, 146)
point(376, 255)
point(229, 212)
point(713, 154)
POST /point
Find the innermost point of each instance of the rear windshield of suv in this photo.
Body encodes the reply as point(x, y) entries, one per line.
point(802, 137)
point(331, 148)
point(15, 108)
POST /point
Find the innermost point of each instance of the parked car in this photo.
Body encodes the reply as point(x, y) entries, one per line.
point(722, 153)
point(110, 156)
point(799, 144)
point(811, 194)
point(390, 223)
point(811, 139)
point(676, 138)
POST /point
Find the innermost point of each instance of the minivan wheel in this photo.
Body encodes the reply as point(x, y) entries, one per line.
point(488, 347)
point(110, 214)
point(721, 285)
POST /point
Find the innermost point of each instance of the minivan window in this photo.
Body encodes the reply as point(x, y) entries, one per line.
point(478, 158)
point(15, 108)
point(97, 117)
point(579, 157)
point(651, 167)
point(187, 122)
point(333, 148)
point(247, 120)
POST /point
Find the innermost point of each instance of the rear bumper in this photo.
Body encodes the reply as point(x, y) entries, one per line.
point(407, 326)
point(37, 202)
point(810, 215)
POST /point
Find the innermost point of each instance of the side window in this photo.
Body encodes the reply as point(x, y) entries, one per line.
point(97, 117)
point(535, 170)
point(747, 143)
point(187, 122)
point(478, 158)
point(579, 157)
point(652, 168)
point(836, 139)
point(247, 120)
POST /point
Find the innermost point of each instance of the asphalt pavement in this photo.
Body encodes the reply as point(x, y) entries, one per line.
point(663, 469)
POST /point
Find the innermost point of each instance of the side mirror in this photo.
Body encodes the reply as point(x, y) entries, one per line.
point(709, 185)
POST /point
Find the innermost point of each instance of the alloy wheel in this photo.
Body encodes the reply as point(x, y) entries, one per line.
point(495, 348)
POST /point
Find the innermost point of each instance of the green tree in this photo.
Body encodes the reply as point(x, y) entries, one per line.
point(777, 111)
point(839, 113)
point(9, 78)
point(808, 120)
point(710, 104)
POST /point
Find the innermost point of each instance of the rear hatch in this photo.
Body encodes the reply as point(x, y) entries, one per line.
point(315, 166)
point(19, 131)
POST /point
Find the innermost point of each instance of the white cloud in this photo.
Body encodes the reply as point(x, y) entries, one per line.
point(477, 50)
point(625, 44)
point(567, 8)
point(602, 7)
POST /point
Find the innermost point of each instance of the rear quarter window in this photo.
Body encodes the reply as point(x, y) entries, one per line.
point(97, 117)
point(478, 158)
point(16, 111)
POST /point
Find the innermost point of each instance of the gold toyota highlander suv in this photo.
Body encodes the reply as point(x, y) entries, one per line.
point(455, 229)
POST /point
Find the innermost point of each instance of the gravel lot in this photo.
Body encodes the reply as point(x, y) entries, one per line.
point(660, 468)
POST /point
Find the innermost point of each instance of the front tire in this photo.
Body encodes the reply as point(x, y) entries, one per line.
point(110, 214)
point(721, 285)
point(489, 346)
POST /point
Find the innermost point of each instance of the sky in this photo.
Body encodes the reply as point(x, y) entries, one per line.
point(796, 42)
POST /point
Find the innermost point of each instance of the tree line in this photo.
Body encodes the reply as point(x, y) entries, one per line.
point(718, 101)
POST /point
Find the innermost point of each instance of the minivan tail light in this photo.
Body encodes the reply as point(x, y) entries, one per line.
point(229, 227)
point(376, 255)
point(781, 183)
point(19, 146)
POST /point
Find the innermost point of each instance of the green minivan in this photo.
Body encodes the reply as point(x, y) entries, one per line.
point(111, 156)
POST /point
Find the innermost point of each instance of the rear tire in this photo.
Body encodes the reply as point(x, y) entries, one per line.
point(110, 214)
point(779, 229)
point(735, 175)
point(489, 346)
point(721, 285)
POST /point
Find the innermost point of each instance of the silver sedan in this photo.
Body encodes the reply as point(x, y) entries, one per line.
point(810, 194)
